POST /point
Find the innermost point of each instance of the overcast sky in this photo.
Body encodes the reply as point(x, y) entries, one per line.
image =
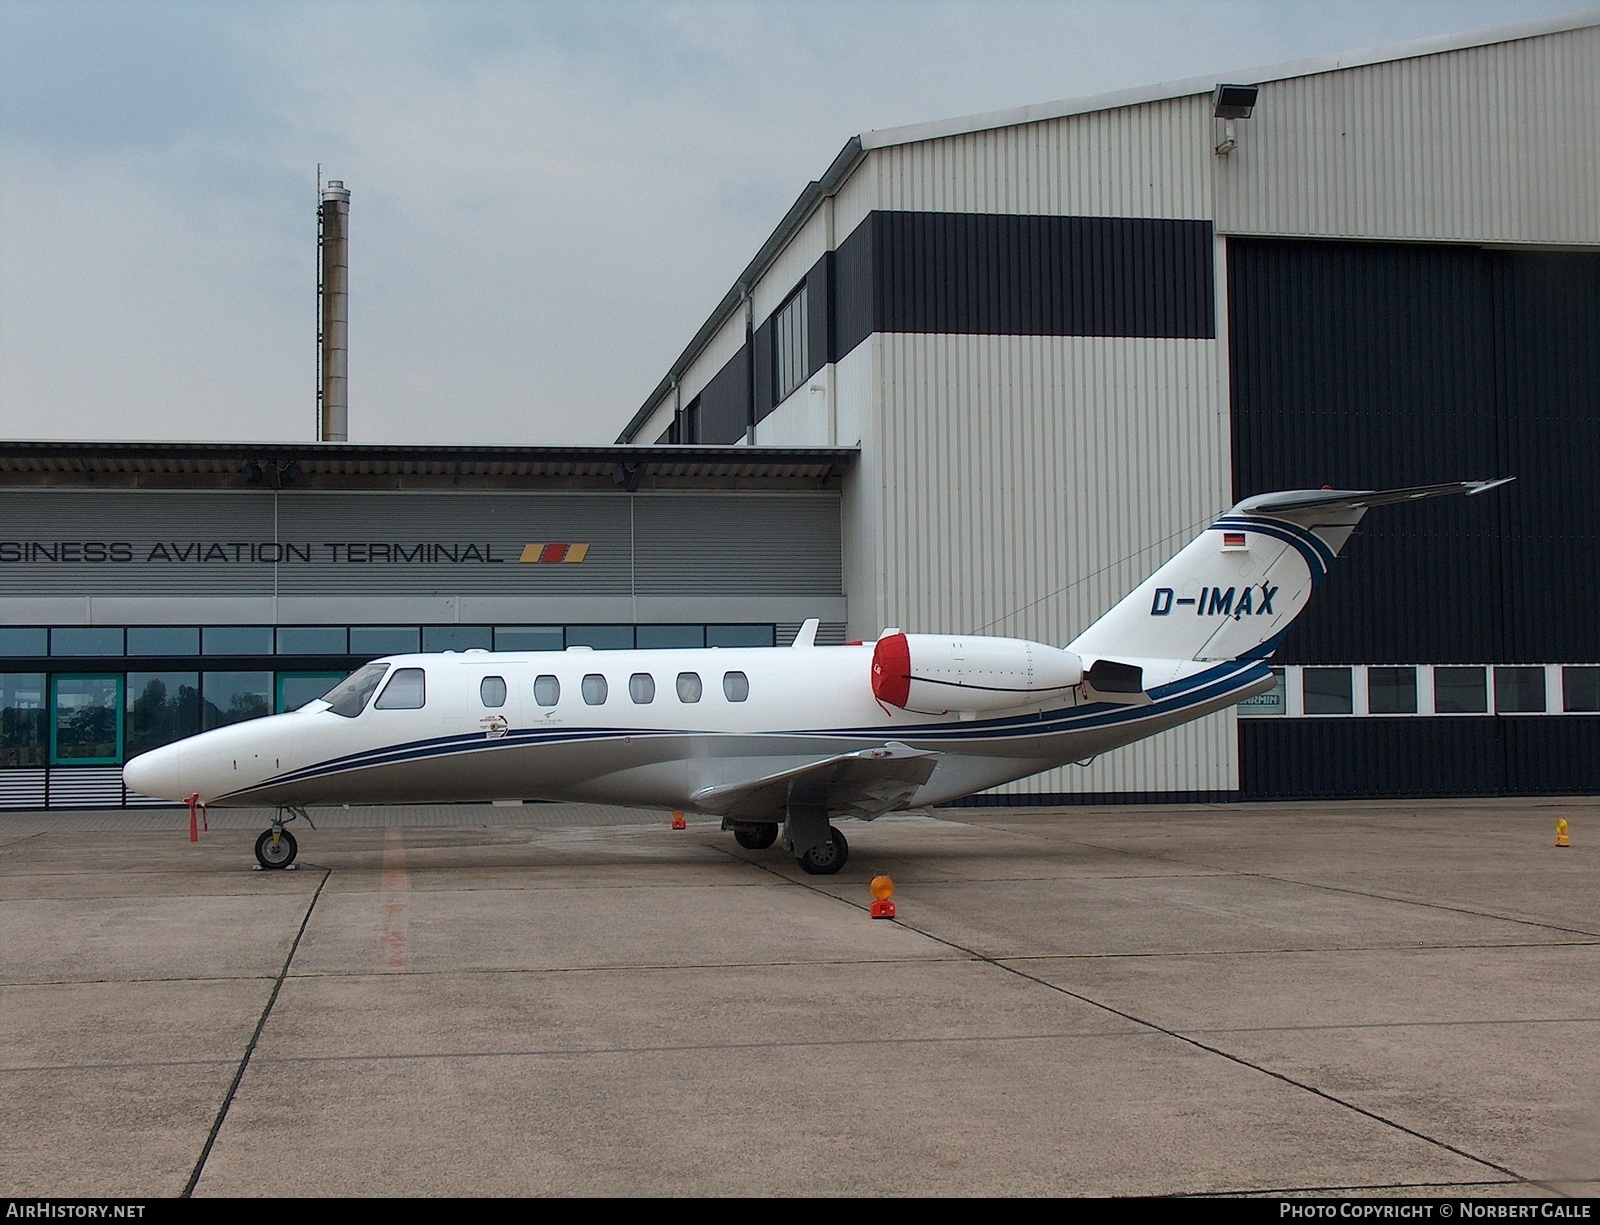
point(547, 199)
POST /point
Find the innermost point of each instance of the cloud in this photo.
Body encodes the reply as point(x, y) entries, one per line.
point(547, 200)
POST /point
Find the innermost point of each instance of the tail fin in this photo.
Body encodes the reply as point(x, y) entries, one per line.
point(1232, 592)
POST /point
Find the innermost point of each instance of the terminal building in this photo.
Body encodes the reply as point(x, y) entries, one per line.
point(984, 376)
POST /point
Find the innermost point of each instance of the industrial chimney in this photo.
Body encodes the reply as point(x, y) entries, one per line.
point(333, 249)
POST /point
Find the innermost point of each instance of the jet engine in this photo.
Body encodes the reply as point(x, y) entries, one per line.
point(933, 674)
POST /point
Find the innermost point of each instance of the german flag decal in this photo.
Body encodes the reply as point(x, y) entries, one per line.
point(547, 554)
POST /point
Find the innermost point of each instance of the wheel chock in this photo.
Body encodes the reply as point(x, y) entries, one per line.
point(882, 891)
point(678, 821)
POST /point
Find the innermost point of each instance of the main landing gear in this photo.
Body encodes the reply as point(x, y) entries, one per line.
point(276, 848)
point(819, 848)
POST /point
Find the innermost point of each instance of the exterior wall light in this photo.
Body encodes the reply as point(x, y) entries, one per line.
point(1230, 103)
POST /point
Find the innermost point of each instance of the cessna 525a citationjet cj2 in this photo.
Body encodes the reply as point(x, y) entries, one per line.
point(784, 740)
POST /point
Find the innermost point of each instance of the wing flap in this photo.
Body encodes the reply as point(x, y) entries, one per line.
point(866, 783)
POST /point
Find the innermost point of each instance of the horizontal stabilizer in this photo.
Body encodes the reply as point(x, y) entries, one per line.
point(865, 784)
point(1232, 592)
point(1308, 499)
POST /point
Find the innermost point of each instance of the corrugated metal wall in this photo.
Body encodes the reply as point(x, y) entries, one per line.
point(1489, 144)
point(1028, 483)
point(1365, 365)
point(1136, 161)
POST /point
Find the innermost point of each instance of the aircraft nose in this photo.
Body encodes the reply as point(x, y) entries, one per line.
point(159, 774)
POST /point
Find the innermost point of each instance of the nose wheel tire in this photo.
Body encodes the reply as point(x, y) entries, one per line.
point(276, 853)
point(828, 858)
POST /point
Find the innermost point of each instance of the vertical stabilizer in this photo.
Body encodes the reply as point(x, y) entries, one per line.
point(1232, 592)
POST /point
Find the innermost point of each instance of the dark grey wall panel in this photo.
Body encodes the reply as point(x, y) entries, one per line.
point(725, 402)
point(1367, 365)
point(857, 285)
point(819, 314)
point(1001, 275)
point(739, 544)
point(1383, 758)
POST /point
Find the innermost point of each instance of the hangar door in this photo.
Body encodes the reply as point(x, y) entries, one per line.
point(1374, 365)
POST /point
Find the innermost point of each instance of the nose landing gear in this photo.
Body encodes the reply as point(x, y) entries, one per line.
point(276, 848)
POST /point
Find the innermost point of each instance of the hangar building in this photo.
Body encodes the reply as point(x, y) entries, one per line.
point(984, 377)
point(1065, 337)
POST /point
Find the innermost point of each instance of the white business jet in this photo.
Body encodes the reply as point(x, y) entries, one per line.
point(784, 741)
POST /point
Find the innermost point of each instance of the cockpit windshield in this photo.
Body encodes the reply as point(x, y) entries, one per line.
point(350, 696)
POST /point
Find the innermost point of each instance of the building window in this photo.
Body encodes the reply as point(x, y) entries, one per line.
point(236, 640)
point(735, 686)
point(546, 690)
point(1272, 702)
point(297, 689)
point(162, 707)
point(313, 640)
point(1519, 691)
point(642, 688)
point(87, 724)
point(669, 637)
point(24, 721)
point(29, 642)
point(1327, 691)
point(529, 638)
point(164, 640)
point(407, 690)
point(492, 689)
point(457, 638)
point(790, 342)
point(601, 637)
point(689, 687)
point(1460, 691)
point(86, 640)
point(385, 639)
point(1580, 690)
point(739, 635)
point(1392, 691)
point(233, 697)
point(595, 689)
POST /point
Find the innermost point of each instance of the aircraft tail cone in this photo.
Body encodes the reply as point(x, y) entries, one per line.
point(1561, 833)
point(678, 821)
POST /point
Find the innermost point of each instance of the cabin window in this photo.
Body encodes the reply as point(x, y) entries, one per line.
point(689, 687)
point(349, 697)
point(406, 690)
point(1460, 691)
point(594, 689)
point(492, 689)
point(735, 686)
point(642, 688)
point(546, 690)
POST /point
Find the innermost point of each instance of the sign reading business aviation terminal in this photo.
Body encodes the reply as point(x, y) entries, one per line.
point(273, 552)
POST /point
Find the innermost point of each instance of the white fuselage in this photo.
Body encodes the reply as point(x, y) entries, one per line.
point(758, 711)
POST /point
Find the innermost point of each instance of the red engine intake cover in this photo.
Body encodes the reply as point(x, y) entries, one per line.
point(891, 670)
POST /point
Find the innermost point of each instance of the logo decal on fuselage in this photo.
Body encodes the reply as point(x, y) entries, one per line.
point(1226, 601)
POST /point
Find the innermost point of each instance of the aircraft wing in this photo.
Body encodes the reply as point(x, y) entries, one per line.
point(867, 783)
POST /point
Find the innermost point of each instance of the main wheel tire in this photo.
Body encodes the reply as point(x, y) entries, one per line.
point(828, 858)
point(755, 837)
point(276, 855)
